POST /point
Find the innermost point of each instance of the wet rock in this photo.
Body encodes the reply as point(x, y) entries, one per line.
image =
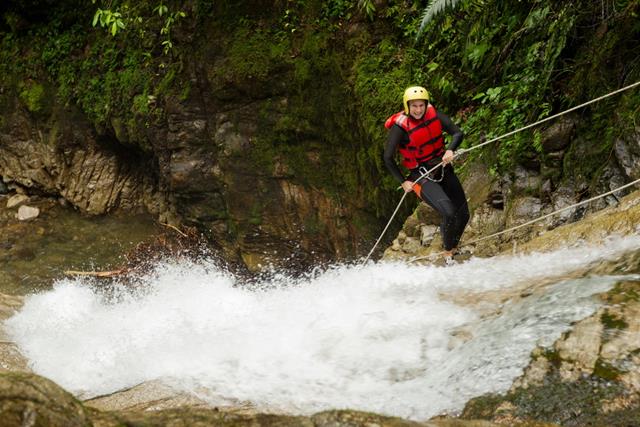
point(486, 220)
point(523, 209)
point(230, 139)
point(562, 198)
point(148, 396)
point(26, 213)
point(627, 151)
point(17, 188)
point(411, 226)
point(16, 200)
point(534, 374)
point(526, 181)
point(620, 220)
point(558, 136)
point(411, 246)
point(427, 234)
point(622, 338)
point(579, 351)
point(479, 185)
point(31, 400)
point(10, 357)
point(427, 215)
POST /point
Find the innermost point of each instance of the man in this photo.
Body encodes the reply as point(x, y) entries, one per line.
point(416, 133)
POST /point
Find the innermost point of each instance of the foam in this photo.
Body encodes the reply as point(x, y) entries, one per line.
point(383, 338)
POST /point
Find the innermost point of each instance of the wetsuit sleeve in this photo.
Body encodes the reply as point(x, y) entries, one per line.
point(453, 130)
point(395, 137)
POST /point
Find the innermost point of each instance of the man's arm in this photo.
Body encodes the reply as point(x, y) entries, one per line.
point(453, 130)
point(394, 139)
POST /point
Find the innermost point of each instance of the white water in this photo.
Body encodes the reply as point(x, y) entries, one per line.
point(383, 338)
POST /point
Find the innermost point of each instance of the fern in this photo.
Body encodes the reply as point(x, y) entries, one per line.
point(434, 8)
point(368, 7)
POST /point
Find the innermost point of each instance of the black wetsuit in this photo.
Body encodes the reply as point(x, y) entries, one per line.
point(447, 196)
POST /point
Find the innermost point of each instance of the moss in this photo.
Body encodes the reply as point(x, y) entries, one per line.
point(255, 215)
point(623, 292)
point(254, 55)
point(564, 403)
point(606, 371)
point(32, 95)
point(140, 104)
point(186, 91)
point(553, 356)
point(611, 321)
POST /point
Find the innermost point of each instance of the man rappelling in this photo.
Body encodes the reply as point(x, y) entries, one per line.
point(416, 133)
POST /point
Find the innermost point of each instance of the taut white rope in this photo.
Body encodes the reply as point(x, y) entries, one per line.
point(584, 202)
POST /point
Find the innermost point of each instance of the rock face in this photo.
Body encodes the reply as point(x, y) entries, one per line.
point(11, 360)
point(206, 163)
point(64, 157)
point(627, 151)
point(31, 400)
point(592, 370)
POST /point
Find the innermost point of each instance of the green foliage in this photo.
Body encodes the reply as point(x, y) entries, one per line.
point(113, 21)
point(368, 7)
point(435, 7)
point(117, 17)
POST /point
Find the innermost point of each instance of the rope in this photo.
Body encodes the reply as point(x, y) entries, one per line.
point(461, 151)
point(555, 116)
point(398, 207)
point(584, 202)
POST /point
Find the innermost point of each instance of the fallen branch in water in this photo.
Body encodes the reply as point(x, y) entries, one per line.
point(175, 228)
point(97, 273)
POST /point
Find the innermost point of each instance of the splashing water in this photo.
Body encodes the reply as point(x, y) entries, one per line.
point(389, 337)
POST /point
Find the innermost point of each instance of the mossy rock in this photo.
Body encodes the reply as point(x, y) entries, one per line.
point(578, 403)
point(31, 400)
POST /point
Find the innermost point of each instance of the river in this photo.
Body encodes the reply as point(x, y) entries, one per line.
point(406, 340)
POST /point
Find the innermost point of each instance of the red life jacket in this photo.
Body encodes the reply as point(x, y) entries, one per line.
point(425, 137)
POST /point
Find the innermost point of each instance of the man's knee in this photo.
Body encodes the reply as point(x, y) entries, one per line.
point(447, 210)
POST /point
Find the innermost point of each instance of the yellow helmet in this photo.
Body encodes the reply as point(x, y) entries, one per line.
point(412, 93)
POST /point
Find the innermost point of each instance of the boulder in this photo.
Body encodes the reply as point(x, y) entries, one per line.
point(427, 233)
point(627, 151)
point(16, 200)
point(523, 209)
point(564, 197)
point(558, 136)
point(579, 351)
point(32, 400)
point(411, 245)
point(526, 181)
point(26, 213)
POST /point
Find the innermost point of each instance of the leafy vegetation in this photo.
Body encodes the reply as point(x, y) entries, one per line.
point(133, 14)
point(341, 66)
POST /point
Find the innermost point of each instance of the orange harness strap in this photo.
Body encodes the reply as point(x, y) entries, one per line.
point(417, 188)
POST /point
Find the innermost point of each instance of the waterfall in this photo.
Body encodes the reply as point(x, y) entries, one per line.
point(405, 340)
